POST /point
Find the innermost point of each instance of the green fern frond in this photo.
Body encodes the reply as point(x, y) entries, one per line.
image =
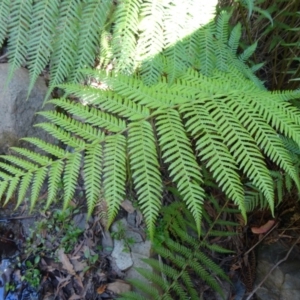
point(114, 174)
point(18, 28)
point(234, 38)
point(42, 30)
point(20, 162)
point(107, 101)
point(62, 135)
point(35, 157)
point(64, 46)
point(47, 147)
point(55, 173)
point(84, 131)
point(242, 147)
point(210, 146)
point(182, 163)
point(4, 15)
point(173, 35)
point(11, 188)
point(93, 18)
point(124, 34)
point(145, 171)
point(222, 27)
point(248, 52)
point(207, 59)
point(92, 175)
point(106, 53)
point(151, 40)
point(71, 173)
point(24, 184)
point(38, 180)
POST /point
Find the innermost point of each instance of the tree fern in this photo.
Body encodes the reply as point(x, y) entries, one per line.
point(221, 108)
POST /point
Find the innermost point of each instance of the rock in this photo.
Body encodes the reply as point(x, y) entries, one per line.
point(17, 116)
point(121, 255)
point(284, 282)
point(138, 248)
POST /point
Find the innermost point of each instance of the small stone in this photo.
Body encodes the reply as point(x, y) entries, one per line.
point(121, 255)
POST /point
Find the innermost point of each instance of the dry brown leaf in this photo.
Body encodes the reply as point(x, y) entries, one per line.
point(101, 289)
point(264, 228)
point(118, 287)
point(127, 205)
point(63, 258)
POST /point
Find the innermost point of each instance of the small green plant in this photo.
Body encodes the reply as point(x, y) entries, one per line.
point(120, 234)
point(32, 274)
point(57, 231)
point(91, 259)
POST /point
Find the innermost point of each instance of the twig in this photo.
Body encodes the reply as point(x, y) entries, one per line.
point(4, 56)
point(273, 268)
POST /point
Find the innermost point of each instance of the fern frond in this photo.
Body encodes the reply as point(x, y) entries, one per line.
point(42, 29)
point(248, 52)
point(145, 171)
point(105, 100)
point(55, 172)
point(64, 46)
point(114, 174)
point(11, 188)
point(151, 40)
point(207, 58)
point(106, 53)
point(234, 38)
point(93, 18)
point(4, 15)
point(38, 180)
point(20, 162)
point(84, 131)
point(24, 184)
point(173, 35)
point(92, 175)
point(211, 147)
point(71, 173)
point(18, 27)
point(242, 147)
point(35, 157)
point(62, 135)
point(92, 116)
point(222, 27)
point(124, 34)
point(182, 163)
point(47, 147)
